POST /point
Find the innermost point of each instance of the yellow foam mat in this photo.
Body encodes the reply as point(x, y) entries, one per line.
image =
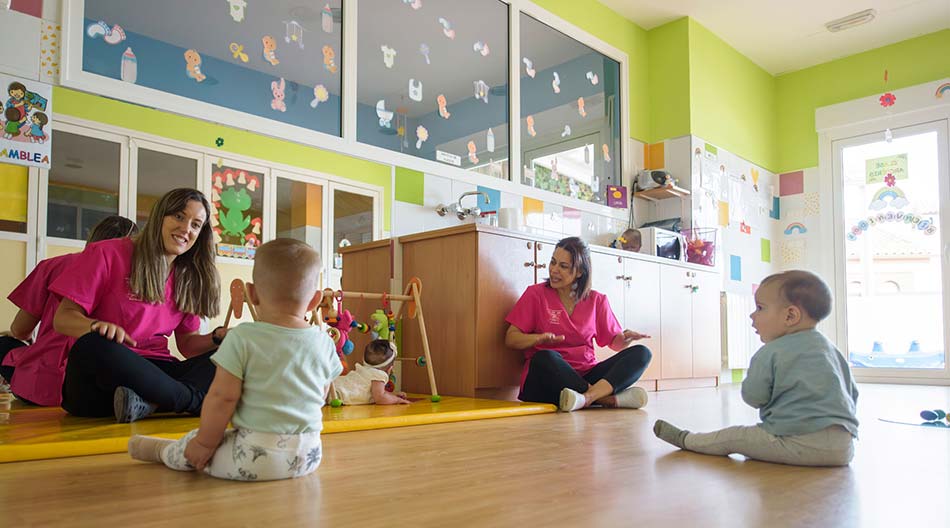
point(36, 433)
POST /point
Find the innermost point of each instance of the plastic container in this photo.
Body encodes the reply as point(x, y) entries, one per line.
point(701, 245)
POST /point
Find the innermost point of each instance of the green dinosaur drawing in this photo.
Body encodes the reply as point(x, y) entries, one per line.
point(233, 220)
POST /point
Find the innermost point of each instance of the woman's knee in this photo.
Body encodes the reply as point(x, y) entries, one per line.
point(641, 354)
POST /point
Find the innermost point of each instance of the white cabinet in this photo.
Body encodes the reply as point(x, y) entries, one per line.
point(689, 310)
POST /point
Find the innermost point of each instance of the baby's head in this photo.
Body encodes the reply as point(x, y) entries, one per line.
point(789, 302)
point(630, 240)
point(380, 353)
point(286, 273)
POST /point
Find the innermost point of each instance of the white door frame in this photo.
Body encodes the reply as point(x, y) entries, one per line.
point(850, 123)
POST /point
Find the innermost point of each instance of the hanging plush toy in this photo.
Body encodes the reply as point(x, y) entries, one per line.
point(380, 325)
point(340, 320)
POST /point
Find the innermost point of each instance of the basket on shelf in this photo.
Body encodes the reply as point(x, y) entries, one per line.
point(701, 245)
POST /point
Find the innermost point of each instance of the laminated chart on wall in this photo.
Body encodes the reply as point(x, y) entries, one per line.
point(237, 209)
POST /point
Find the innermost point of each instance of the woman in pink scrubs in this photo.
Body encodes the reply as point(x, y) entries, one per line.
point(35, 372)
point(555, 322)
point(123, 298)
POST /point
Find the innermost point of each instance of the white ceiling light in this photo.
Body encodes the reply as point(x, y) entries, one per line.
point(850, 21)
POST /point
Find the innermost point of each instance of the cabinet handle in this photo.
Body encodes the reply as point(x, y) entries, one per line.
point(688, 286)
point(621, 277)
point(541, 266)
point(539, 246)
point(529, 264)
point(529, 245)
point(619, 260)
point(628, 278)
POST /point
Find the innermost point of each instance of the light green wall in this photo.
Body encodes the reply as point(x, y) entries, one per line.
point(798, 94)
point(669, 80)
point(410, 186)
point(203, 133)
point(731, 99)
point(605, 24)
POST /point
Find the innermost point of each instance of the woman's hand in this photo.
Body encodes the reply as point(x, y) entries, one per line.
point(198, 454)
point(548, 338)
point(624, 339)
point(112, 332)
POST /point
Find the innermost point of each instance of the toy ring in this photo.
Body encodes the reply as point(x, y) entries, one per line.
point(411, 306)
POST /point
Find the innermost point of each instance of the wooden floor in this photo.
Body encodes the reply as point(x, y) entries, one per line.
point(593, 468)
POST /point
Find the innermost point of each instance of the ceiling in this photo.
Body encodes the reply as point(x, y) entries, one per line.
point(782, 36)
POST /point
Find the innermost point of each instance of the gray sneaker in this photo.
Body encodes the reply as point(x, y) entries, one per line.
point(129, 406)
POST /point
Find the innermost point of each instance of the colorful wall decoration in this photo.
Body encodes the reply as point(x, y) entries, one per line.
point(237, 210)
point(27, 112)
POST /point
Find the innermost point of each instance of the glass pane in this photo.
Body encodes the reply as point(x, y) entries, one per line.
point(300, 212)
point(237, 210)
point(434, 83)
point(14, 193)
point(83, 184)
point(159, 173)
point(892, 214)
point(260, 58)
point(570, 114)
point(352, 224)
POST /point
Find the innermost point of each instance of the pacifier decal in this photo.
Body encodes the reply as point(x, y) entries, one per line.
point(320, 95)
point(389, 55)
point(193, 65)
point(270, 49)
point(556, 83)
point(567, 131)
point(237, 9)
point(415, 90)
point(530, 122)
point(580, 107)
point(237, 51)
point(422, 134)
point(385, 116)
point(528, 67)
point(471, 152)
point(328, 56)
point(592, 77)
point(443, 111)
point(447, 28)
point(481, 47)
point(326, 19)
point(606, 150)
point(481, 90)
point(424, 50)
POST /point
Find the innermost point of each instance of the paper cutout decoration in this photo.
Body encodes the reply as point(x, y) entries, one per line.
point(606, 151)
point(277, 89)
point(414, 4)
point(424, 50)
point(328, 59)
point(320, 95)
point(447, 28)
point(567, 131)
point(580, 107)
point(755, 179)
point(471, 152)
point(812, 204)
point(385, 116)
point(745, 228)
point(915, 222)
point(530, 125)
point(877, 169)
point(193, 65)
point(796, 228)
point(237, 52)
point(129, 69)
point(490, 140)
point(422, 134)
point(326, 19)
point(791, 183)
point(793, 252)
point(735, 267)
point(888, 100)
point(443, 111)
point(415, 90)
point(50, 37)
point(776, 210)
point(293, 32)
point(942, 89)
point(765, 249)
point(529, 67)
point(113, 35)
point(237, 9)
point(270, 48)
point(556, 83)
point(617, 196)
point(481, 90)
point(892, 196)
point(389, 55)
point(592, 77)
point(723, 213)
point(481, 47)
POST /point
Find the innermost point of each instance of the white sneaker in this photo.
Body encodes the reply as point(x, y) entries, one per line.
point(571, 400)
point(631, 398)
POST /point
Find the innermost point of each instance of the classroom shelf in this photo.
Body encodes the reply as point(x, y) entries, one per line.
point(661, 193)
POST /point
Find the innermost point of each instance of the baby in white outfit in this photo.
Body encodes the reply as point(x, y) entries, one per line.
point(366, 383)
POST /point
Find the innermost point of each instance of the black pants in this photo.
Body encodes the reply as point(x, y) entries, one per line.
point(7, 344)
point(97, 366)
point(548, 373)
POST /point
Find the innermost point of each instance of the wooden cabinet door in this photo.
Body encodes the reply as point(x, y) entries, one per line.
point(707, 344)
point(607, 278)
point(642, 308)
point(676, 322)
point(506, 267)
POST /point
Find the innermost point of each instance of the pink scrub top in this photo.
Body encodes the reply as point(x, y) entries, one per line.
point(99, 283)
point(540, 310)
point(41, 367)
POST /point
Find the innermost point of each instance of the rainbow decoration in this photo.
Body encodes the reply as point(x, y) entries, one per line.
point(796, 227)
point(943, 88)
point(888, 196)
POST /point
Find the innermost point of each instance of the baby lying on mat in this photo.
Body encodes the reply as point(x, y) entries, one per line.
point(366, 383)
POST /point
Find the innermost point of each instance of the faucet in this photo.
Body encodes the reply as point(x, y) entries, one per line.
point(463, 212)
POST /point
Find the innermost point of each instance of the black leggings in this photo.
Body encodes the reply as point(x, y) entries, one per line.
point(7, 344)
point(97, 366)
point(548, 373)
